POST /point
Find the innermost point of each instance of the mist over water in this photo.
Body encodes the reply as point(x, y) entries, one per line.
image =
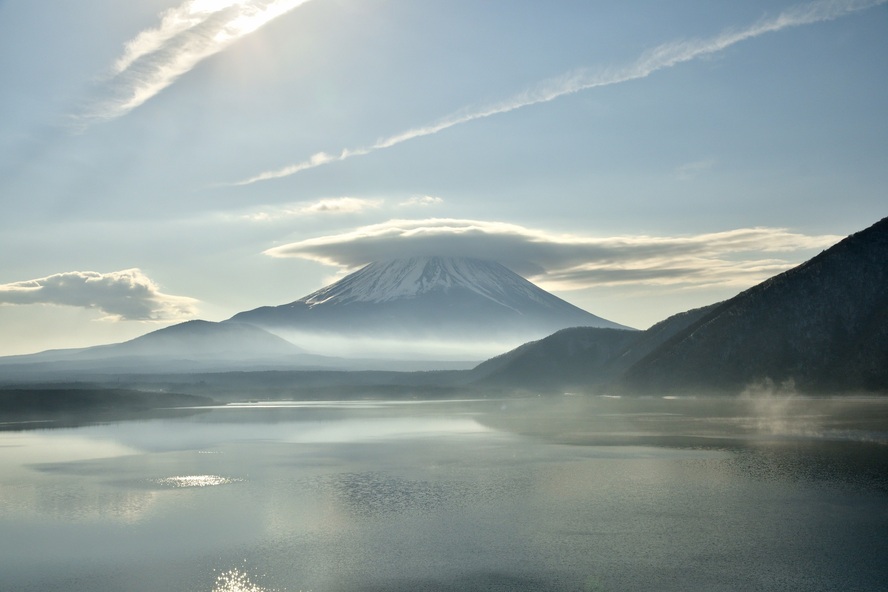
point(766, 492)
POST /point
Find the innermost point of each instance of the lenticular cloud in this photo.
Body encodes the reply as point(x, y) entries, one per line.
point(738, 257)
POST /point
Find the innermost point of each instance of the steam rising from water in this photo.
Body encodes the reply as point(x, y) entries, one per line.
point(774, 410)
point(780, 410)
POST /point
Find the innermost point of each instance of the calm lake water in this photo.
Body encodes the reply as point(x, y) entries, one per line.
point(570, 493)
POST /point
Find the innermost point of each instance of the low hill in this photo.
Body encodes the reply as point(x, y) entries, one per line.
point(201, 340)
point(190, 346)
point(580, 358)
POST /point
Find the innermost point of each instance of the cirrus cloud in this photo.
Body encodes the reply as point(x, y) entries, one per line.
point(186, 35)
point(737, 257)
point(127, 295)
point(661, 57)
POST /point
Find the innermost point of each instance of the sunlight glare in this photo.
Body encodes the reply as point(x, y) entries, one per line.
point(253, 17)
point(235, 580)
point(195, 481)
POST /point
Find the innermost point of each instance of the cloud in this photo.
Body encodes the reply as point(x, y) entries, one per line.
point(422, 201)
point(330, 205)
point(738, 257)
point(659, 58)
point(341, 205)
point(127, 295)
point(187, 35)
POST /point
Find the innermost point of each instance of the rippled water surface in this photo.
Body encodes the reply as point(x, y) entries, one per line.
point(568, 493)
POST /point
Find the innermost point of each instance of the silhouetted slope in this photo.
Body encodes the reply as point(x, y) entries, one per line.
point(657, 335)
point(579, 358)
point(570, 358)
point(822, 325)
point(428, 297)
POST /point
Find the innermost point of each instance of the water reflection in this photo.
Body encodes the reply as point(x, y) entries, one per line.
point(56, 446)
point(556, 494)
point(345, 404)
point(73, 502)
point(252, 423)
point(194, 481)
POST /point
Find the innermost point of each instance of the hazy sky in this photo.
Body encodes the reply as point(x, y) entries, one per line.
point(164, 160)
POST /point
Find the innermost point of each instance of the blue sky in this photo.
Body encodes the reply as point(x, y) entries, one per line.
point(166, 160)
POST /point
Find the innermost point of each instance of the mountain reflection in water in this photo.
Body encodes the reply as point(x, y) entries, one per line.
point(565, 493)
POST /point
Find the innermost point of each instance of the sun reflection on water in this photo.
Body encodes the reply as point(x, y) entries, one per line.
point(235, 580)
point(195, 481)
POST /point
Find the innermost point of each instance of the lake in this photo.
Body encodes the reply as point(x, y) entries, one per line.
point(566, 493)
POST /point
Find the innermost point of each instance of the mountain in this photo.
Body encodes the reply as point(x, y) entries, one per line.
point(579, 358)
point(202, 340)
point(568, 359)
point(822, 326)
point(193, 345)
point(427, 298)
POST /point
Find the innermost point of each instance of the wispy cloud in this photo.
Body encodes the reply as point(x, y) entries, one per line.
point(421, 201)
point(329, 205)
point(187, 35)
point(340, 205)
point(127, 295)
point(659, 58)
point(738, 257)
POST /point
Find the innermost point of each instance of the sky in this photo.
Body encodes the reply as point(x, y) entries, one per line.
point(162, 160)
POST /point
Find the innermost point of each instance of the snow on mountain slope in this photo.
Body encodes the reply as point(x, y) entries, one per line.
point(412, 278)
point(428, 297)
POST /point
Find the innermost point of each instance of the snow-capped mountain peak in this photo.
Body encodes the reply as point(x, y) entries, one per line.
point(397, 279)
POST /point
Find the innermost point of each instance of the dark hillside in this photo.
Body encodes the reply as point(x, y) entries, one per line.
point(576, 358)
point(822, 326)
point(581, 358)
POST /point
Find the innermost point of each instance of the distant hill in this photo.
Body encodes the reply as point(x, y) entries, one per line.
point(193, 347)
point(207, 340)
point(202, 340)
point(189, 346)
point(821, 327)
point(457, 299)
point(579, 358)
